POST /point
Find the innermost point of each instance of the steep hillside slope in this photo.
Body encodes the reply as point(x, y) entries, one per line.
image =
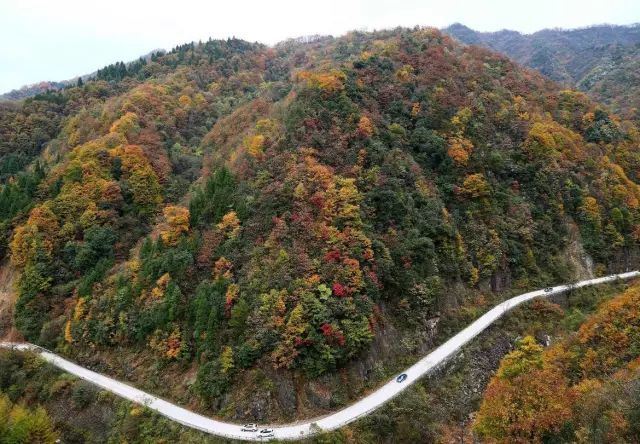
point(250, 230)
point(586, 388)
point(602, 61)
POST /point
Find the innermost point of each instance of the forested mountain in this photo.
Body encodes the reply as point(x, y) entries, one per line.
point(249, 229)
point(603, 61)
point(32, 90)
point(116, 70)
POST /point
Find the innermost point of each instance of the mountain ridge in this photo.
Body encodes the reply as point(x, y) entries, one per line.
point(599, 60)
point(459, 30)
point(45, 86)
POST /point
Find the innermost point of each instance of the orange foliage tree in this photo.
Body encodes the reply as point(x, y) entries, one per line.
point(526, 400)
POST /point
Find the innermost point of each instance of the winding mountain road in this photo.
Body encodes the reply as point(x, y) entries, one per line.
point(333, 421)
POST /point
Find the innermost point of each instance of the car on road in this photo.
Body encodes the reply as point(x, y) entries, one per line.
point(401, 378)
point(266, 433)
point(249, 428)
point(548, 289)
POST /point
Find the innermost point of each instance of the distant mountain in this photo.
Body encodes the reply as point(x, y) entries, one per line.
point(43, 87)
point(603, 61)
point(32, 90)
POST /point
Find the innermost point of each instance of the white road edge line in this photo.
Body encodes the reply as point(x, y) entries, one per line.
point(330, 422)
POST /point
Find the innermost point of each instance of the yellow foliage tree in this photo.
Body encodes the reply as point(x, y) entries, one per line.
point(405, 73)
point(230, 225)
point(342, 201)
point(266, 127)
point(176, 223)
point(548, 140)
point(79, 309)
point(365, 128)
point(185, 101)
point(167, 344)
point(126, 125)
point(231, 295)
point(475, 185)
point(254, 145)
point(222, 268)
point(161, 285)
point(460, 148)
point(415, 109)
point(226, 359)
point(591, 210)
point(284, 355)
point(460, 120)
point(174, 344)
point(20, 425)
point(40, 230)
point(328, 81)
point(68, 337)
point(142, 180)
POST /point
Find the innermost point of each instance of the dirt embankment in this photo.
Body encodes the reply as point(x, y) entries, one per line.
point(7, 302)
point(577, 256)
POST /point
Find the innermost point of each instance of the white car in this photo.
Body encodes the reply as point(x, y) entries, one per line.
point(249, 428)
point(266, 433)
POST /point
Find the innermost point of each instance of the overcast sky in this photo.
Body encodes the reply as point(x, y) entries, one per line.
point(57, 40)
